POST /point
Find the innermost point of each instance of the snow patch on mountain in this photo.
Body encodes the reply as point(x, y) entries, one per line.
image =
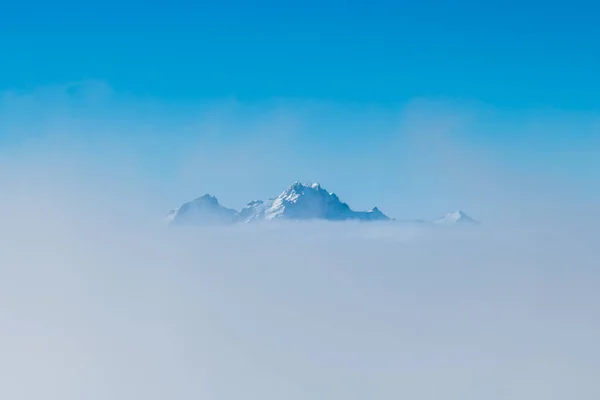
point(455, 217)
point(253, 211)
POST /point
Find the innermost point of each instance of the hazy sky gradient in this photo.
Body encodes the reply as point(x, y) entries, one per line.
point(415, 108)
point(112, 113)
point(419, 159)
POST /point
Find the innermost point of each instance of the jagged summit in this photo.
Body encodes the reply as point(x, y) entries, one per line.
point(207, 198)
point(308, 201)
point(376, 212)
point(455, 217)
point(300, 201)
point(200, 211)
point(297, 189)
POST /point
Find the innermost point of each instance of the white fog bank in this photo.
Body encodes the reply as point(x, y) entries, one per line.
point(324, 311)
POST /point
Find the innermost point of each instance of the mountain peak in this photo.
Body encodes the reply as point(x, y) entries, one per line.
point(207, 198)
point(298, 190)
point(299, 186)
point(302, 201)
point(457, 216)
point(200, 211)
point(299, 201)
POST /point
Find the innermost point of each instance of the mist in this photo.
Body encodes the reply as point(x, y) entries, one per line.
point(99, 300)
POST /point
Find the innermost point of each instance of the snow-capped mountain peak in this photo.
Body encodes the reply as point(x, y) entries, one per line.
point(376, 212)
point(300, 201)
point(297, 189)
point(455, 217)
point(253, 211)
point(202, 210)
point(207, 198)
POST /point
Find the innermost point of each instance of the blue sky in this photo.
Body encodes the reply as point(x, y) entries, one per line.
point(333, 91)
point(521, 54)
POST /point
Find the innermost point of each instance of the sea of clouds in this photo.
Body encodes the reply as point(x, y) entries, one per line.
point(100, 301)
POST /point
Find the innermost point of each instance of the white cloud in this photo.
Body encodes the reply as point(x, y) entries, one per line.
point(95, 307)
point(99, 301)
